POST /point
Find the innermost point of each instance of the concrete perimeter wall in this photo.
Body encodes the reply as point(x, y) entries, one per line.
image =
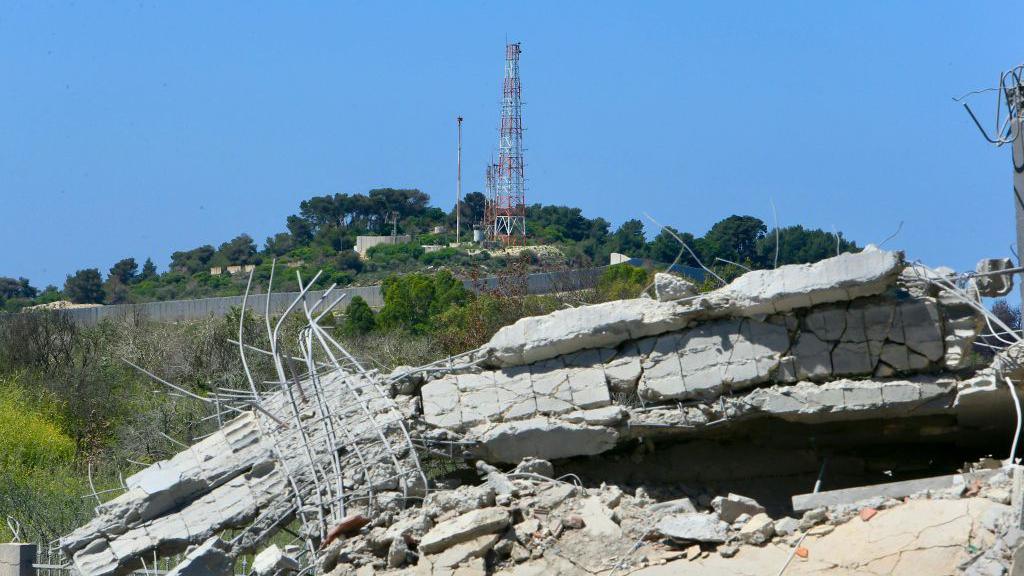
point(175, 310)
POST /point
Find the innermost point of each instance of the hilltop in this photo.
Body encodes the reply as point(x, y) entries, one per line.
point(322, 237)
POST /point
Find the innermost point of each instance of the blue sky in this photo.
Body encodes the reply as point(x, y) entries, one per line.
point(140, 128)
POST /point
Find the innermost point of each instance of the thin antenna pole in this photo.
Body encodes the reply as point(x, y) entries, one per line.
point(458, 190)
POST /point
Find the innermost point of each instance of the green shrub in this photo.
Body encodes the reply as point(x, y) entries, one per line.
point(621, 281)
point(359, 317)
point(392, 255)
point(412, 301)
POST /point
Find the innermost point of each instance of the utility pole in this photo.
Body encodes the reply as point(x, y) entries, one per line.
point(458, 190)
point(1010, 131)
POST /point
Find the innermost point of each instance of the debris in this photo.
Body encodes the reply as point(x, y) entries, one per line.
point(786, 526)
point(272, 560)
point(669, 287)
point(730, 507)
point(463, 528)
point(758, 530)
point(208, 559)
point(694, 528)
point(627, 396)
point(531, 465)
point(803, 502)
point(495, 478)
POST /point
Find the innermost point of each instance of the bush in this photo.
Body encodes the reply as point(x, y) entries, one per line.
point(621, 281)
point(392, 255)
point(439, 256)
point(348, 260)
point(39, 485)
point(359, 317)
point(412, 301)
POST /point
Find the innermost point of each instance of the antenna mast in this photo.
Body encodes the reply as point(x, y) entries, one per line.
point(509, 210)
point(458, 189)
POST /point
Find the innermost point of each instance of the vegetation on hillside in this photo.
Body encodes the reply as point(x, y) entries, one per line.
point(70, 404)
point(321, 237)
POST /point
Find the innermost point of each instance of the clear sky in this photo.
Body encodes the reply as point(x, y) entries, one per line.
point(140, 128)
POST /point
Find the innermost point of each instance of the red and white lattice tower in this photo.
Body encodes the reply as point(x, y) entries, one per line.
point(509, 213)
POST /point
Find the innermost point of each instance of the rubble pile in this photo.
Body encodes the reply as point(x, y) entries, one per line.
point(853, 340)
point(537, 525)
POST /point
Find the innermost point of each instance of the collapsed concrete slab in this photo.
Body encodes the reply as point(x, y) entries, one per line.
point(851, 337)
point(840, 279)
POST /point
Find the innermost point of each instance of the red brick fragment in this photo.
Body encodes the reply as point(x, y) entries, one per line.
point(867, 513)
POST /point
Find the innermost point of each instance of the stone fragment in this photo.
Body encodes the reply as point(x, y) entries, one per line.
point(693, 552)
point(463, 528)
point(669, 287)
point(272, 560)
point(463, 552)
point(463, 499)
point(730, 507)
point(526, 530)
point(758, 530)
point(597, 519)
point(531, 465)
point(397, 553)
point(208, 559)
point(812, 518)
point(867, 513)
point(728, 551)
point(694, 528)
point(623, 372)
point(673, 506)
point(607, 416)
point(785, 526)
point(495, 478)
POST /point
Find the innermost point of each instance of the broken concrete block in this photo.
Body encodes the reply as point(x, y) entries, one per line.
point(441, 403)
point(566, 331)
point(730, 507)
point(545, 438)
point(673, 506)
point(837, 279)
point(597, 520)
point(531, 465)
point(463, 529)
point(694, 528)
point(669, 287)
point(495, 478)
point(785, 526)
point(607, 416)
point(272, 560)
point(208, 559)
point(463, 552)
point(758, 530)
point(623, 372)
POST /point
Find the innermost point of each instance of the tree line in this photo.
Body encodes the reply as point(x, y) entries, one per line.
point(322, 234)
